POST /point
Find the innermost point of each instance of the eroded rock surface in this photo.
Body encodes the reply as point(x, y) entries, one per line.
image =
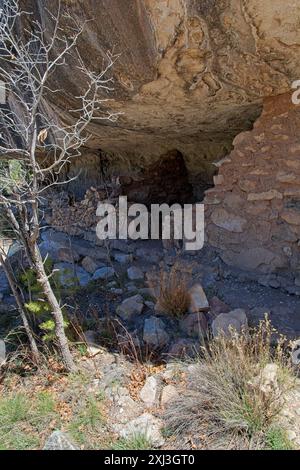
point(190, 76)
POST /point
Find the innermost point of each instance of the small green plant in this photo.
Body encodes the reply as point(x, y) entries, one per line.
point(276, 439)
point(135, 442)
point(88, 420)
point(23, 417)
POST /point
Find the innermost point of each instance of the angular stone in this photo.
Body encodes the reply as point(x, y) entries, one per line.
point(225, 323)
point(183, 348)
point(267, 380)
point(227, 221)
point(70, 274)
point(67, 255)
point(59, 441)
point(4, 284)
point(285, 177)
point(122, 258)
point(195, 325)
point(107, 272)
point(217, 306)
point(148, 393)
point(135, 274)
point(198, 302)
point(90, 337)
point(154, 333)
point(253, 259)
point(131, 307)
point(145, 425)
point(265, 196)
point(91, 265)
point(169, 393)
point(291, 216)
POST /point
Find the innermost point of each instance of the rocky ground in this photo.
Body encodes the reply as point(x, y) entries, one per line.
point(116, 282)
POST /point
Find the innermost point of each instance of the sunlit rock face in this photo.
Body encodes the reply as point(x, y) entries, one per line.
point(190, 76)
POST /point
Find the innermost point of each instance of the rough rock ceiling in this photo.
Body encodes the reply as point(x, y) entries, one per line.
point(191, 74)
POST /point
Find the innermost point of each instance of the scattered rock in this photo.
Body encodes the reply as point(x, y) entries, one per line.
point(217, 306)
point(106, 272)
point(135, 274)
point(59, 441)
point(131, 307)
point(182, 348)
point(267, 380)
point(2, 352)
point(90, 337)
point(66, 254)
point(116, 290)
point(152, 256)
point(121, 245)
point(122, 258)
point(194, 325)
point(146, 425)
point(168, 394)
point(148, 393)
point(295, 354)
point(91, 265)
point(155, 334)
point(199, 302)
point(226, 322)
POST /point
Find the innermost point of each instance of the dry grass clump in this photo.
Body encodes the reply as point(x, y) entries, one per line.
point(172, 291)
point(229, 400)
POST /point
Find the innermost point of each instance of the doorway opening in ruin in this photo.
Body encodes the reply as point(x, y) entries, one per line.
point(165, 181)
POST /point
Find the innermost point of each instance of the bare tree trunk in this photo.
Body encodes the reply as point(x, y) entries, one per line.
point(55, 307)
point(12, 282)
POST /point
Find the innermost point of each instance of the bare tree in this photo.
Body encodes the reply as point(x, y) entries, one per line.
point(41, 142)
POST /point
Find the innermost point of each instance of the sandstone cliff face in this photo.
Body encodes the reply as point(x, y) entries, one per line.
point(191, 74)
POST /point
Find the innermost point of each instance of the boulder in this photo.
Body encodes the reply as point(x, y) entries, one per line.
point(91, 265)
point(146, 425)
point(107, 272)
point(183, 348)
point(217, 306)
point(66, 254)
point(267, 380)
point(131, 307)
point(169, 393)
point(194, 325)
point(135, 274)
point(155, 334)
point(148, 393)
point(4, 284)
point(199, 302)
point(225, 323)
point(59, 441)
